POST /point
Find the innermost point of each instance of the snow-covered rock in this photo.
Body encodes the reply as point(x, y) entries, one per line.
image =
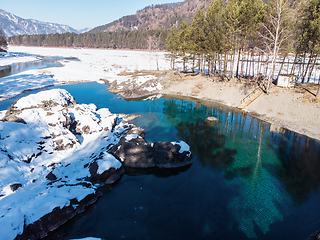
point(55, 153)
point(53, 156)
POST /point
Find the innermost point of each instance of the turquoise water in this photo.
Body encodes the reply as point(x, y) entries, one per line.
point(246, 182)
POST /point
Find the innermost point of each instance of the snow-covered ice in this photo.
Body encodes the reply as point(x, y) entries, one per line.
point(92, 65)
point(16, 57)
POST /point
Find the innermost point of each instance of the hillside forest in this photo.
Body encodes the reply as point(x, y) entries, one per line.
point(234, 38)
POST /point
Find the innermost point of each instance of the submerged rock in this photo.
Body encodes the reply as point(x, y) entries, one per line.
point(212, 119)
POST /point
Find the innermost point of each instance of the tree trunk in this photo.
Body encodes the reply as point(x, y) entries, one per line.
point(250, 64)
point(314, 62)
point(318, 93)
point(267, 65)
point(253, 62)
point(220, 68)
point(225, 65)
point(232, 64)
point(247, 65)
point(304, 60)
point(241, 72)
point(281, 66)
point(237, 71)
point(259, 70)
point(306, 71)
point(193, 60)
point(293, 65)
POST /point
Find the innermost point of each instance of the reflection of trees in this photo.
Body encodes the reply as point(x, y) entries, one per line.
point(240, 146)
point(237, 147)
point(208, 144)
point(300, 159)
point(206, 138)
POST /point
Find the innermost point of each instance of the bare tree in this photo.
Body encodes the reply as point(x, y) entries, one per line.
point(275, 31)
point(153, 46)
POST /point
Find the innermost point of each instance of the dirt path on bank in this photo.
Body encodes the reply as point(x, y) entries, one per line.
point(293, 108)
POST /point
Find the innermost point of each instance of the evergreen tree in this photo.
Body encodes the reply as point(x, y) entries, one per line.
point(185, 43)
point(198, 36)
point(231, 22)
point(215, 30)
point(308, 29)
point(172, 45)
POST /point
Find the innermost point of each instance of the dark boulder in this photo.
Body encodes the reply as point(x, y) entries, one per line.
point(168, 155)
point(14, 187)
point(109, 176)
point(51, 177)
point(136, 153)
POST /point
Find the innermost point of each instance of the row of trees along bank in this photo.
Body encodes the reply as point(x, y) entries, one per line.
point(248, 37)
point(110, 40)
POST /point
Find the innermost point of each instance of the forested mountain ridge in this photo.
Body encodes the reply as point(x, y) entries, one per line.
point(13, 25)
point(162, 16)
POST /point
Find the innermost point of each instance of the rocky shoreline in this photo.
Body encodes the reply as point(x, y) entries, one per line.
point(56, 154)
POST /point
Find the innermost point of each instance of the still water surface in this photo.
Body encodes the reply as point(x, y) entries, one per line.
point(246, 182)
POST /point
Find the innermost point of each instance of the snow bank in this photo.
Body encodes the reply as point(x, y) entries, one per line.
point(93, 65)
point(16, 84)
point(9, 58)
point(47, 161)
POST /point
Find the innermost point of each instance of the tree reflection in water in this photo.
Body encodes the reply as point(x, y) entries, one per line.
point(265, 167)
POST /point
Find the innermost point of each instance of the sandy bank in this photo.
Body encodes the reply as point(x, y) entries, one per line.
point(293, 108)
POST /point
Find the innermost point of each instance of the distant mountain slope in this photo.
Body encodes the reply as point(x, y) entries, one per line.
point(162, 16)
point(13, 25)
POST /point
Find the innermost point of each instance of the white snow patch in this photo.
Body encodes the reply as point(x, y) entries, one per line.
point(143, 79)
point(184, 147)
point(107, 162)
point(153, 97)
point(60, 96)
point(2, 113)
point(129, 137)
point(154, 88)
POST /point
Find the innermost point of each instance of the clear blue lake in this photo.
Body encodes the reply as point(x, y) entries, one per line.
point(246, 182)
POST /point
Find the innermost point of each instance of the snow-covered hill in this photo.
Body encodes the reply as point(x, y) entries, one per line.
point(14, 25)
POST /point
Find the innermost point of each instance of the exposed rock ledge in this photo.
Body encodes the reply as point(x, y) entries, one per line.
point(55, 154)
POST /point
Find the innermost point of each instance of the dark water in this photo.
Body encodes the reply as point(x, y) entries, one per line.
point(246, 182)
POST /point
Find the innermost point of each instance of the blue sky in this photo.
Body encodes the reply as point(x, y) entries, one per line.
point(78, 14)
